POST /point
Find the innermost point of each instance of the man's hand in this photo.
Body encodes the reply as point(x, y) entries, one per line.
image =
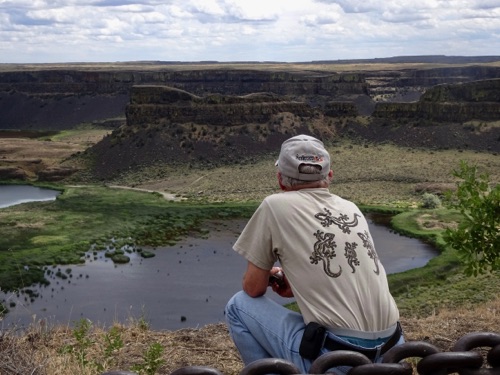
point(279, 283)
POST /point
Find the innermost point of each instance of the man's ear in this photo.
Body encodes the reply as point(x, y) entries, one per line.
point(330, 175)
point(282, 187)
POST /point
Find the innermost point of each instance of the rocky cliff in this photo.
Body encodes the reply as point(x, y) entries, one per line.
point(214, 115)
point(479, 100)
point(197, 81)
point(61, 99)
point(169, 125)
point(163, 105)
point(56, 98)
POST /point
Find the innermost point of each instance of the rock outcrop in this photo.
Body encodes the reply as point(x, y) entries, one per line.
point(197, 81)
point(479, 100)
point(163, 105)
point(55, 98)
point(12, 173)
point(54, 174)
point(61, 99)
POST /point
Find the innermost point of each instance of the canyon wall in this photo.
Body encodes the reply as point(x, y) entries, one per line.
point(478, 100)
point(214, 115)
point(56, 98)
point(152, 105)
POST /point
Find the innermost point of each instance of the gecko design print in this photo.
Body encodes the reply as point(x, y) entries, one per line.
point(342, 221)
point(351, 255)
point(325, 244)
point(368, 244)
point(324, 251)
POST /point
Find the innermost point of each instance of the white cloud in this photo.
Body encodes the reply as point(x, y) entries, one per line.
point(228, 30)
point(321, 19)
point(485, 4)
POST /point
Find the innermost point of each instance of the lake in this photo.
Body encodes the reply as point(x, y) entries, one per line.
point(183, 286)
point(11, 195)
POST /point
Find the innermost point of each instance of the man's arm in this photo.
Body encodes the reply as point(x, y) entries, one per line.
point(255, 280)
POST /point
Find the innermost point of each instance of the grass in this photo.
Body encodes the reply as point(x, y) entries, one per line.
point(279, 66)
point(81, 135)
point(36, 234)
point(383, 175)
point(441, 284)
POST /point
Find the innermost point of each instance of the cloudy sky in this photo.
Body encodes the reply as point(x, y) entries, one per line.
point(37, 31)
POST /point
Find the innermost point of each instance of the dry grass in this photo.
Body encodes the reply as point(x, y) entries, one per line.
point(44, 350)
point(41, 350)
point(383, 174)
point(35, 155)
point(446, 326)
point(276, 66)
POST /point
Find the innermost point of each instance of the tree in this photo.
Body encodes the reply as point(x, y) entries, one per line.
point(477, 237)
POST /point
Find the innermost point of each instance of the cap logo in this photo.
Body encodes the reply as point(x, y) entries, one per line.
point(312, 158)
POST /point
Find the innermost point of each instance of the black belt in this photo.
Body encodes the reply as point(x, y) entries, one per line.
point(370, 353)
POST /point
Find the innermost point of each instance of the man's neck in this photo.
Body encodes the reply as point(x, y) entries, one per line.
point(310, 185)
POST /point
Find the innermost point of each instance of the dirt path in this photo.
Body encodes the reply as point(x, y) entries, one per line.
point(168, 196)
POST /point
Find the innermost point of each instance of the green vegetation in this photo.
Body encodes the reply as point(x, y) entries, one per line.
point(83, 133)
point(477, 238)
point(430, 201)
point(84, 341)
point(152, 360)
point(442, 282)
point(34, 235)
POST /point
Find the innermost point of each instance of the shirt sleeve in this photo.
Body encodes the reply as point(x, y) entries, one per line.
point(255, 243)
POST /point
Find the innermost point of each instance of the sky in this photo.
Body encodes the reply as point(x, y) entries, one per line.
point(57, 31)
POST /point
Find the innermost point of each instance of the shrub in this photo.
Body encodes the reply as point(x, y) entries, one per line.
point(430, 201)
point(477, 238)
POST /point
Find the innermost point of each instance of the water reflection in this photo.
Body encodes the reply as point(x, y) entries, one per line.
point(186, 285)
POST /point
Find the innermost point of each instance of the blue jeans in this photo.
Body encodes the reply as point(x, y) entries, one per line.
point(261, 328)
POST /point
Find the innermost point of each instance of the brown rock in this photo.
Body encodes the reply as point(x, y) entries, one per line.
point(12, 173)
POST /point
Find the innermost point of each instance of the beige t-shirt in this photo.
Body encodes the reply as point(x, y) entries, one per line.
point(324, 246)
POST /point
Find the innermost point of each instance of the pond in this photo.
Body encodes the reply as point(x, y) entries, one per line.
point(183, 286)
point(11, 195)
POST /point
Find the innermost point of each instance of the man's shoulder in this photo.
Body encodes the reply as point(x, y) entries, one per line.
point(276, 197)
point(300, 195)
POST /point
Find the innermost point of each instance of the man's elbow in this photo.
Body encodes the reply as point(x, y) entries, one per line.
point(253, 292)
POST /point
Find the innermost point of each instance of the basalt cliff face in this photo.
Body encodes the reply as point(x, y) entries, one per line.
point(459, 116)
point(153, 105)
point(61, 99)
point(53, 98)
point(478, 100)
point(218, 114)
point(168, 125)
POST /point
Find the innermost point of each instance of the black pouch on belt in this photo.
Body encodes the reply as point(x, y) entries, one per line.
point(312, 341)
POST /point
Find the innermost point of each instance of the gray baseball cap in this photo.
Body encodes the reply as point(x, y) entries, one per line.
point(303, 149)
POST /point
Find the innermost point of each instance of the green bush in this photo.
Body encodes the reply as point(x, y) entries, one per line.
point(477, 237)
point(430, 201)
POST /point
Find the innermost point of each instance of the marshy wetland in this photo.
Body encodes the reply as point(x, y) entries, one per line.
point(188, 283)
